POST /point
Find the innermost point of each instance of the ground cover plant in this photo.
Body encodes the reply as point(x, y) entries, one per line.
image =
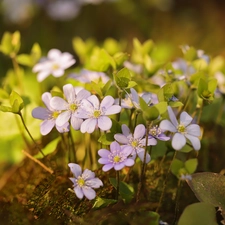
point(111, 134)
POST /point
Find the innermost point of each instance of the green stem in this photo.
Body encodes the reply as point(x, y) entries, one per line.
point(17, 72)
point(164, 184)
point(117, 184)
point(36, 145)
point(142, 175)
point(120, 100)
point(72, 147)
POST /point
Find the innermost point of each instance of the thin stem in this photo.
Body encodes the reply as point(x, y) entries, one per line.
point(36, 145)
point(38, 162)
point(72, 146)
point(120, 100)
point(17, 72)
point(178, 194)
point(143, 163)
point(164, 184)
point(117, 184)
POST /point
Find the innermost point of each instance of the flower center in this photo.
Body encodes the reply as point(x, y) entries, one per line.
point(134, 143)
point(80, 181)
point(181, 128)
point(128, 102)
point(55, 66)
point(55, 114)
point(155, 131)
point(97, 113)
point(73, 107)
point(116, 159)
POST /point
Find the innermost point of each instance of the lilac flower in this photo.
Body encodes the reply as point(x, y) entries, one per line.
point(116, 158)
point(156, 132)
point(132, 100)
point(74, 96)
point(136, 141)
point(49, 115)
point(182, 130)
point(55, 64)
point(96, 114)
point(186, 177)
point(83, 183)
point(87, 76)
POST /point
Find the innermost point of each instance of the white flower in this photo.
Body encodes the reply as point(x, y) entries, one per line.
point(182, 130)
point(55, 64)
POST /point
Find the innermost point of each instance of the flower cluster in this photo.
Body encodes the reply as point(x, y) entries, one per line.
point(83, 110)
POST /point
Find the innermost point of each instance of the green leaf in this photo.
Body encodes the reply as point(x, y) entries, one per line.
point(106, 87)
point(6, 45)
point(49, 148)
point(198, 214)
point(122, 78)
point(16, 102)
point(106, 139)
point(151, 113)
point(5, 108)
point(162, 107)
point(103, 202)
point(35, 53)
point(209, 188)
point(176, 165)
point(212, 85)
point(126, 191)
point(190, 54)
point(120, 58)
point(191, 165)
point(24, 59)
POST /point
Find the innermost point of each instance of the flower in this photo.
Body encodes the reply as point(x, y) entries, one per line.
point(49, 115)
point(156, 132)
point(74, 96)
point(87, 76)
point(116, 158)
point(182, 130)
point(136, 141)
point(55, 64)
point(186, 177)
point(96, 114)
point(83, 183)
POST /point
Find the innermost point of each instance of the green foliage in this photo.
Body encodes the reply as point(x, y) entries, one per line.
point(103, 202)
point(126, 191)
point(10, 43)
point(198, 213)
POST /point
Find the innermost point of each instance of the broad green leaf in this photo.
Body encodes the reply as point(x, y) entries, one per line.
point(131, 84)
point(122, 78)
point(176, 165)
point(24, 59)
point(6, 45)
point(198, 214)
point(212, 85)
point(5, 108)
point(175, 104)
point(35, 53)
point(3, 94)
point(191, 165)
point(216, 64)
point(106, 87)
point(120, 58)
point(209, 188)
point(106, 139)
point(151, 113)
point(16, 102)
point(103, 202)
point(49, 148)
point(162, 107)
point(126, 191)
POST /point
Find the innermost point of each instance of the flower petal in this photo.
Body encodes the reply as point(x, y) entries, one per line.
point(125, 130)
point(129, 162)
point(79, 192)
point(58, 73)
point(126, 149)
point(194, 130)
point(46, 126)
point(58, 103)
point(114, 146)
point(178, 141)
point(172, 116)
point(141, 156)
point(107, 102)
point(103, 153)
point(121, 138)
point(41, 113)
point(46, 97)
point(103, 161)
point(88, 125)
point(134, 95)
point(107, 167)
point(139, 131)
point(76, 122)
point(42, 75)
point(167, 125)
point(75, 169)
point(89, 193)
point(88, 173)
point(94, 183)
point(104, 123)
point(112, 110)
point(119, 166)
point(94, 101)
point(83, 94)
point(63, 118)
point(185, 118)
point(69, 92)
point(54, 54)
point(194, 141)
